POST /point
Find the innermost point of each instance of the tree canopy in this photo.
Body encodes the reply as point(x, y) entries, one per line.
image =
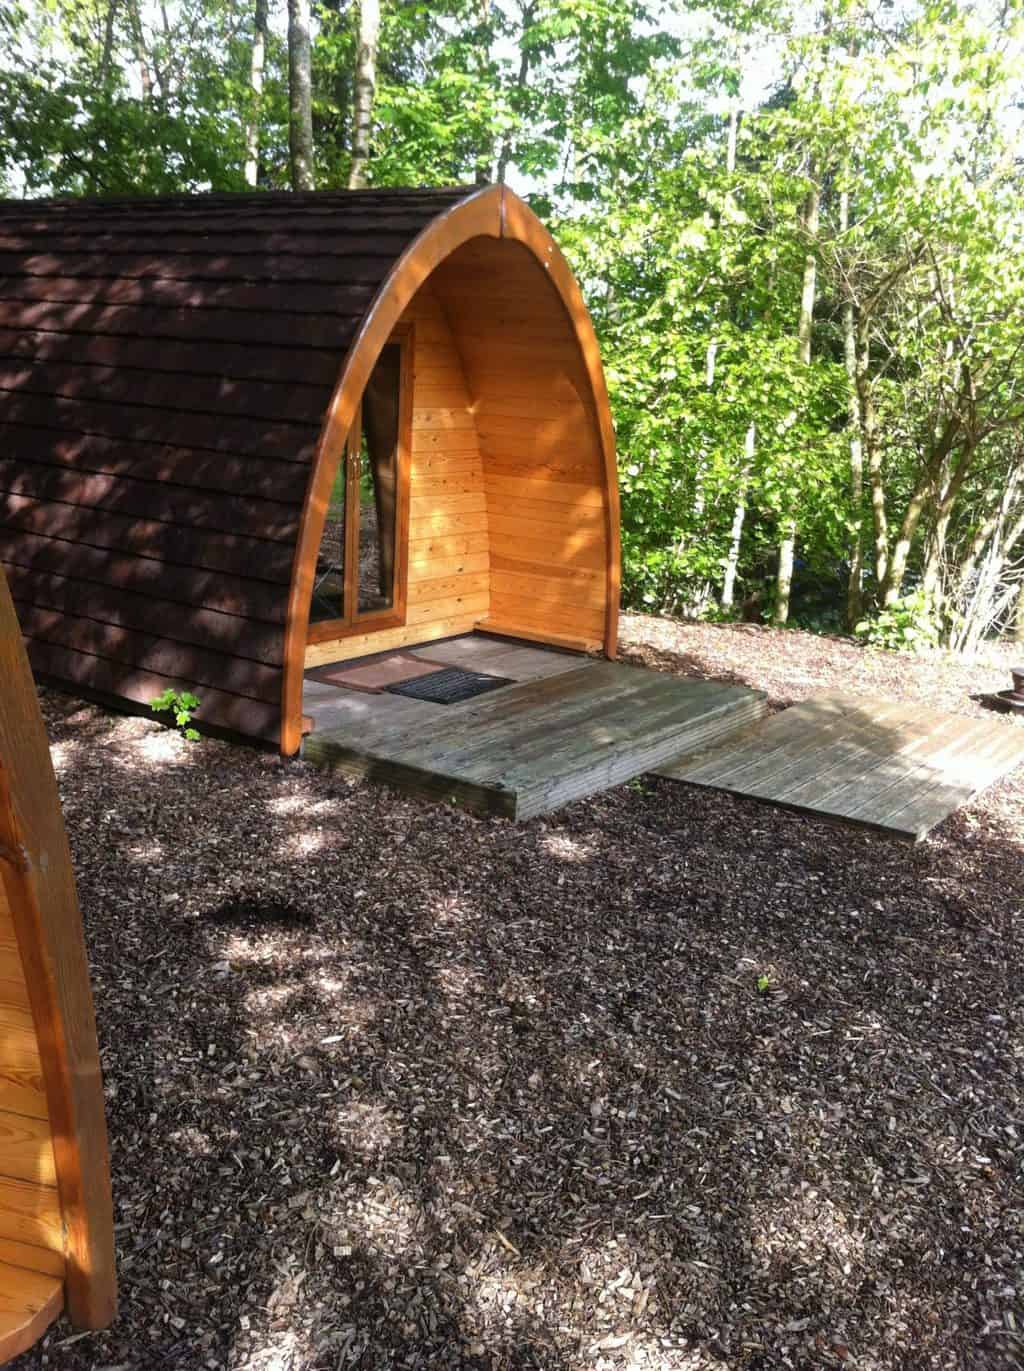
point(799, 227)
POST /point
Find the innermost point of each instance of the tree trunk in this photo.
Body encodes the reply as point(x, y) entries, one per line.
point(923, 493)
point(365, 88)
point(108, 42)
point(141, 56)
point(784, 575)
point(931, 581)
point(987, 527)
point(805, 327)
point(805, 331)
point(854, 587)
point(711, 351)
point(300, 96)
point(872, 451)
point(739, 517)
point(986, 604)
point(252, 128)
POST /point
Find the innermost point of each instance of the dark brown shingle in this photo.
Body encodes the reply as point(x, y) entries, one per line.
point(165, 367)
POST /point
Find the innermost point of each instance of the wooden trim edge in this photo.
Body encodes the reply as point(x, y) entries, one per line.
point(477, 216)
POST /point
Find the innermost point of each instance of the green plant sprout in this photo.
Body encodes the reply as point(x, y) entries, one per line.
point(182, 704)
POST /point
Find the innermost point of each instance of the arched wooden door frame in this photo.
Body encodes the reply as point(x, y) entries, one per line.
point(493, 212)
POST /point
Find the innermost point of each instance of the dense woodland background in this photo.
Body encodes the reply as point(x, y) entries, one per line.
point(799, 227)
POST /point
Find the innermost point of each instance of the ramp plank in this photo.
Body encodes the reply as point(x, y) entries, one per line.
point(576, 728)
point(897, 767)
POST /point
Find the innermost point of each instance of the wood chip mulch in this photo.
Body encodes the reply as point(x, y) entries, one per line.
point(668, 1080)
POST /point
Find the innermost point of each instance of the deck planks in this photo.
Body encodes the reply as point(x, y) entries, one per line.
point(896, 767)
point(569, 727)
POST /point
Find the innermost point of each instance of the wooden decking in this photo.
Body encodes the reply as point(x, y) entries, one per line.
point(897, 767)
point(570, 726)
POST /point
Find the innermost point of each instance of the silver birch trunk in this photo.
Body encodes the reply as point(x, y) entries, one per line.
point(805, 330)
point(300, 96)
point(256, 66)
point(365, 89)
point(732, 561)
point(986, 604)
point(854, 587)
point(711, 352)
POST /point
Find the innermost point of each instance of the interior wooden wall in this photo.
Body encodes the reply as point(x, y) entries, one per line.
point(508, 502)
point(449, 563)
point(539, 442)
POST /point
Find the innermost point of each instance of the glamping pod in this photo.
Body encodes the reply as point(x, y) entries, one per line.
point(56, 1234)
point(249, 435)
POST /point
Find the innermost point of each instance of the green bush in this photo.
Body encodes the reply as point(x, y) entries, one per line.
point(907, 625)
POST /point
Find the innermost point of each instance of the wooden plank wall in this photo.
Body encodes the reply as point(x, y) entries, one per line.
point(449, 561)
point(539, 443)
point(165, 366)
point(30, 1214)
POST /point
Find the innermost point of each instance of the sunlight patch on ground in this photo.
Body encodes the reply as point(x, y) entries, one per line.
point(329, 983)
point(285, 1351)
point(610, 1274)
point(288, 804)
point(303, 803)
point(302, 844)
point(162, 749)
point(270, 999)
point(259, 950)
point(151, 852)
point(448, 911)
point(566, 849)
point(811, 1228)
point(62, 754)
point(192, 1141)
point(459, 982)
point(383, 1219)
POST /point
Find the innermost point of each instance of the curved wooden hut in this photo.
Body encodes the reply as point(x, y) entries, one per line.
point(56, 1235)
point(245, 435)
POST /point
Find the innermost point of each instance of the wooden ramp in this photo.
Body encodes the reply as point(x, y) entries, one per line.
point(897, 767)
point(528, 748)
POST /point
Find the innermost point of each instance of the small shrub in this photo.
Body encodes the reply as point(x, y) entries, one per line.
point(182, 704)
point(907, 625)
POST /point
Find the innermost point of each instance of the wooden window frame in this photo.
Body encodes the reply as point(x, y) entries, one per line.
point(370, 621)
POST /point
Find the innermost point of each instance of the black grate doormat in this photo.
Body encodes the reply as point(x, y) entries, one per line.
point(449, 687)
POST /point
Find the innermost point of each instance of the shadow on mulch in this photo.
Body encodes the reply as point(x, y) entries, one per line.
point(427, 1090)
point(251, 912)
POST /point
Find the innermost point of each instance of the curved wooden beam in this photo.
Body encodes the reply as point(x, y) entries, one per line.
point(493, 212)
point(35, 869)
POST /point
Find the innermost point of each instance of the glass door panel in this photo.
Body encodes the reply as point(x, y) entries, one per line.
point(329, 580)
point(378, 484)
point(357, 570)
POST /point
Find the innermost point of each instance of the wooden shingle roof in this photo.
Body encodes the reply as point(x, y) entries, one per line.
point(165, 369)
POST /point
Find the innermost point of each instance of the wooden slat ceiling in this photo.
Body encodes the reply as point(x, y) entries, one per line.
point(165, 366)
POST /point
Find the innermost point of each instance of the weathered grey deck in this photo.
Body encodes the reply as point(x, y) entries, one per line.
point(900, 768)
point(569, 727)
